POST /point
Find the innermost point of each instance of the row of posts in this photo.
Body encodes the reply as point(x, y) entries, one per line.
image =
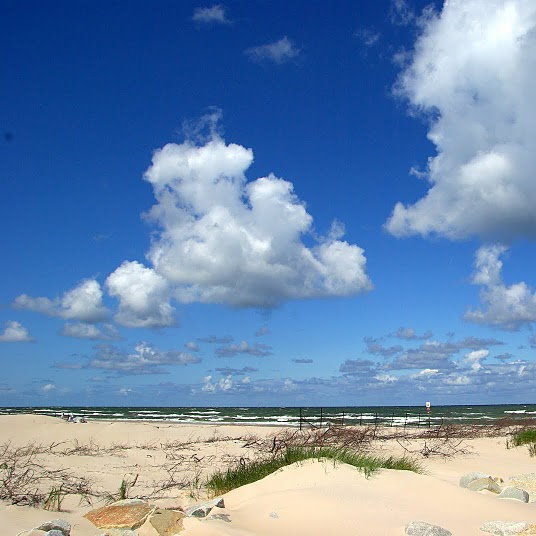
point(320, 421)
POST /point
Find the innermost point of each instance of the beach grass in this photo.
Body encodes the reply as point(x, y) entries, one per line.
point(248, 472)
point(524, 437)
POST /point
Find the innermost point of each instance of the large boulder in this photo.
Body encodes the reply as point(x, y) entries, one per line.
point(129, 516)
point(487, 483)
point(512, 492)
point(56, 524)
point(421, 528)
point(505, 528)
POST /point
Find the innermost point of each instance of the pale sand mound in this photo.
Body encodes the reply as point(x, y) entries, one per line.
point(320, 498)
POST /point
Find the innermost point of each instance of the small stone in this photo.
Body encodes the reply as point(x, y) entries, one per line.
point(54, 533)
point(512, 492)
point(56, 524)
point(203, 509)
point(487, 483)
point(466, 479)
point(421, 528)
point(166, 522)
point(504, 528)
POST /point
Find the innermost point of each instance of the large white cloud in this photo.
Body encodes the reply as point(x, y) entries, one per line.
point(83, 302)
point(225, 240)
point(506, 307)
point(143, 296)
point(474, 71)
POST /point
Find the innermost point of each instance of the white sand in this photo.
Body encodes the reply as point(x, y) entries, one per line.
point(313, 498)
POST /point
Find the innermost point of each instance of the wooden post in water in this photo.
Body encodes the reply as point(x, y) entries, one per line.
point(392, 419)
point(405, 420)
point(342, 420)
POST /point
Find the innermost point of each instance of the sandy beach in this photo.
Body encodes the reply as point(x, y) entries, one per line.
point(170, 462)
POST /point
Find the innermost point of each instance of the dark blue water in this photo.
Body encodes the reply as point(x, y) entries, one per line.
point(290, 416)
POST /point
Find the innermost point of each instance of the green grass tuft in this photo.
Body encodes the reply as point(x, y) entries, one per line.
point(523, 437)
point(246, 473)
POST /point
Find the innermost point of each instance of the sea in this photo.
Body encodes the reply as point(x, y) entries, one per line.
point(293, 416)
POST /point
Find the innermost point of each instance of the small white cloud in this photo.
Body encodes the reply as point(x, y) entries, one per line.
point(278, 52)
point(192, 346)
point(474, 358)
point(143, 296)
point(386, 378)
point(125, 391)
point(401, 13)
point(457, 380)
point(15, 332)
point(210, 15)
point(84, 303)
point(81, 330)
point(47, 388)
point(506, 307)
point(367, 36)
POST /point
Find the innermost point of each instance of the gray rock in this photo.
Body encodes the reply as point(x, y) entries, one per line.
point(512, 492)
point(504, 528)
point(420, 528)
point(54, 533)
point(480, 484)
point(56, 524)
point(203, 509)
point(466, 479)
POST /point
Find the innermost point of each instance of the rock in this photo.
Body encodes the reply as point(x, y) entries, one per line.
point(120, 517)
point(526, 481)
point(54, 532)
point(203, 509)
point(167, 522)
point(420, 528)
point(504, 528)
point(56, 524)
point(488, 483)
point(512, 492)
point(466, 479)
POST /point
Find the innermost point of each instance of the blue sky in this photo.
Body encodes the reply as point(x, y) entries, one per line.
point(268, 203)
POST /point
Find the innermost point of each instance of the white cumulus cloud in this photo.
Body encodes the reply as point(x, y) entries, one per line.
point(83, 302)
point(14, 332)
point(473, 71)
point(505, 306)
point(143, 296)
point(225, 240)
